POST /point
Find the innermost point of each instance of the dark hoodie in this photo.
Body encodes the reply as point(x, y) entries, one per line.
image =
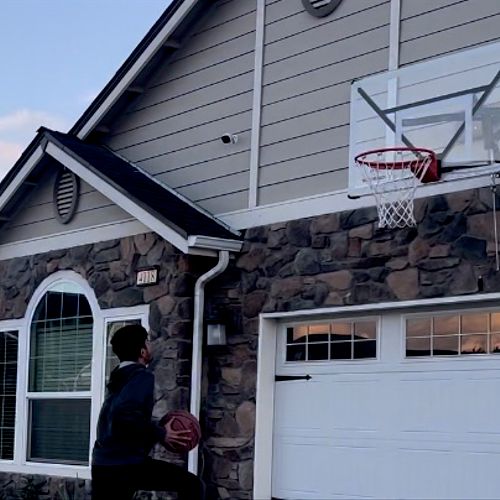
point(125, 431)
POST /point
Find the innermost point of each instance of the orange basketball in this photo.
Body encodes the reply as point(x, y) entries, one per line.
point(183, 420)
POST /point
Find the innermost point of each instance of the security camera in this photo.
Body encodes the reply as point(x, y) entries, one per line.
point(229, 138)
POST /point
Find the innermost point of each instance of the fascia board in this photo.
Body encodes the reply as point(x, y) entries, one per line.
point(136, 68)
point(117, 197)
point(211, 243)
point(21, 176)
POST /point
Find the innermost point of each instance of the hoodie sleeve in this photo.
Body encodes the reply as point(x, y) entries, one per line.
point(132, 413)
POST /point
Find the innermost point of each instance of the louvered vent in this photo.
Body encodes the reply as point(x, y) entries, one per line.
point(320, 8)
point(65, 195)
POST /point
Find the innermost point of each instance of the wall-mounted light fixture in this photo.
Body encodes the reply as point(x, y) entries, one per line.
point(216, 328)
point(216, 334)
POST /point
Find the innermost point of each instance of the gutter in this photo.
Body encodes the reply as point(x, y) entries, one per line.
point(196, 368)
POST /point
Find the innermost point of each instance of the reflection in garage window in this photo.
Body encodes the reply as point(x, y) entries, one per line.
point(453, 334)
point(331, 341)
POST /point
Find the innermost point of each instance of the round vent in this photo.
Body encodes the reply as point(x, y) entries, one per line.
point(320, 8)
point(65, 195)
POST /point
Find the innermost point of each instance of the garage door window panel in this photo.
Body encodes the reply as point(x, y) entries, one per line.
point(452, 335)
point(345, 340)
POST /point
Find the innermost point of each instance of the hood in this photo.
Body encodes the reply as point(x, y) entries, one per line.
point(120, 376)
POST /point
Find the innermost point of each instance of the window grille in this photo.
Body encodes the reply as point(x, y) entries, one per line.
point(60, 362)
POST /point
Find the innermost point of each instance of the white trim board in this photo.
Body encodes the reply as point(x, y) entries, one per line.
point(394, 34)
point(253, 191)
point(68, 239)
point(338, 201)
point(266, 369)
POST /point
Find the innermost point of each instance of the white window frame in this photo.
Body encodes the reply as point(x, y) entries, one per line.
point(284, 366)
point(435, 313)
point(102, 317)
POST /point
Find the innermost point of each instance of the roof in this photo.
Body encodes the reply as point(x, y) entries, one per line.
point(145, 189)
point(155, 204)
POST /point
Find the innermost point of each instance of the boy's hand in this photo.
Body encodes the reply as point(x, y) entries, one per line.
point(173, 437)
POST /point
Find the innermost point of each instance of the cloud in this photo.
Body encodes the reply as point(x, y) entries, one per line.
point(88, 97)
point(9, 153)
point(26, 120)
point(18, 129)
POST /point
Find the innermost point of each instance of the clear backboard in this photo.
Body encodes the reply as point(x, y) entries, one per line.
point(449, 104)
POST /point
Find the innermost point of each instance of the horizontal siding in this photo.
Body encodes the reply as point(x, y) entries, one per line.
point(281, 24)
point(173, 130)
point(88, 201)
point(312, 163)
point(171, 107)
point(226, 203)
point(412, 8)
point(309, 65)
point(227, 25)
point(168, 143)
point(187, 121)
point(220, 167)
point(305, 85)
point(222, 15)
point(302, 188)
point(306, 124)
point(306, 145)
point(36, 217)
point(43, 228)
point(197, 191)
point(446, 28)
point(199, 157)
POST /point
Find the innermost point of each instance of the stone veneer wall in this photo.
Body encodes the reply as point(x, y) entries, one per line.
point(336, 259)
point(109, 267)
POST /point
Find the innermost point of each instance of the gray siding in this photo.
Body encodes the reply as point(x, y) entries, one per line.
point(435, 27)
point(309, 65)
point(36, 218)
point(173, 130)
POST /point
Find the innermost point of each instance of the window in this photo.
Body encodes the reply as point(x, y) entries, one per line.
point(59, 380)
point(112, 326)
point(8, 385)
point(457, 334)
point(335, 340)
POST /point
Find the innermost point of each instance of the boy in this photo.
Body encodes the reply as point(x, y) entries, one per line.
point(126, 433)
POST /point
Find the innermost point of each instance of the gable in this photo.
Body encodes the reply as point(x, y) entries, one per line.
point(204, 90)
point(35, 220)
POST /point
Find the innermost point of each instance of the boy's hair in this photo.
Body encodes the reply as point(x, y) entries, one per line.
point(128, 341)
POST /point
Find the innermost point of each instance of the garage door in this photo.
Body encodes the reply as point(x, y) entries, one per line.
point(391, 407)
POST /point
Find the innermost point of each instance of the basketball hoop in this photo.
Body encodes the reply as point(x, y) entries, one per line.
point(393, 175)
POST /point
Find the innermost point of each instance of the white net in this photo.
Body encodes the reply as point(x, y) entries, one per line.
point(393, 176)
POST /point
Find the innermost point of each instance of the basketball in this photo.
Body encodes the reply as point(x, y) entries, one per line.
point(183, 420)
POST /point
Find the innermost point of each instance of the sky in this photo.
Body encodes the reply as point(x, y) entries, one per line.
point(56, 56)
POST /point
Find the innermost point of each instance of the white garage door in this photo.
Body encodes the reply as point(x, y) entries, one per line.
point(396, 407)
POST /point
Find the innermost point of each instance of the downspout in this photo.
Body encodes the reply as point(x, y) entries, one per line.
point(196, 369)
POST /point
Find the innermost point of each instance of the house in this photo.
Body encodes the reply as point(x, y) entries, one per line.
point(213, 182)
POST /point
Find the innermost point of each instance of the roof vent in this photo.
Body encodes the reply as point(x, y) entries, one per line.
point(320, 8)
point(66, 190)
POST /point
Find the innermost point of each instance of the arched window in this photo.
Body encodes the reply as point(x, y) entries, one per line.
point(59, 377)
